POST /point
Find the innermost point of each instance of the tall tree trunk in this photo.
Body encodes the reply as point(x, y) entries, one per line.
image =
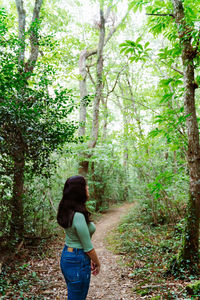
point(99, 84)
point(83, 161)
point(25, 70)
point(190, 251)
point(83, 164)
point(17, 218)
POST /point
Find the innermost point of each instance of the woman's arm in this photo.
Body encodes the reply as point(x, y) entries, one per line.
point(95, 261)
point(84, 237)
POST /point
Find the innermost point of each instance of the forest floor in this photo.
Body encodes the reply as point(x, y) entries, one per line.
point(40, 277)
point(35, 272)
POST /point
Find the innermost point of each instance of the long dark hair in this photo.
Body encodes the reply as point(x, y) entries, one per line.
point(73, 200)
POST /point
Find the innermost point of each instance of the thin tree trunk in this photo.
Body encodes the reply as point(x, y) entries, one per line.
point(174, 162)
point(137, 118)
point(190, 255)
point(125, 144)
point(105, 118)
point(83, 92)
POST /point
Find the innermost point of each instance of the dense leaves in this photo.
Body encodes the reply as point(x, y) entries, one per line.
point(33, 120)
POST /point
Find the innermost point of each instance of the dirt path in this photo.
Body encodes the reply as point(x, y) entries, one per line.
point(112, 282)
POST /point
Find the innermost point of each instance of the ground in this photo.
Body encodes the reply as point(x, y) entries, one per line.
point(33, 271)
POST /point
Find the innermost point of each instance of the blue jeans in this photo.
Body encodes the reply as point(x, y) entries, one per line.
point(76, 269)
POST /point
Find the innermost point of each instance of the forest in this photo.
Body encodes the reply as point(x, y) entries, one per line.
point(108, 89)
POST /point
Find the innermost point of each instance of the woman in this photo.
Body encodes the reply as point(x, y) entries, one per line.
point(78, 256)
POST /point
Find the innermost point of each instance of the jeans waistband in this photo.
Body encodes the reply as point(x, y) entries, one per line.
point(76, 250)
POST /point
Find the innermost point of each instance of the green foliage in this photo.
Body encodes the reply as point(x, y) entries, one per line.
point(137, 52)
point(193, 288)
point(18, 279)
point(159, 181)
point(137, 5)
point(148, 115)
point(146, 251)
point(33, 121)
point(106, 178)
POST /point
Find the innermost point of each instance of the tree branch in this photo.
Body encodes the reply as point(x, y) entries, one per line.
point(116, 80)
point(34, 39)
point(161, 15)
point(110, 34)
point(156, 113)
point(21, 28)
point(113, 30)
point(173, 68)
point(90, 75)
point(107, 13)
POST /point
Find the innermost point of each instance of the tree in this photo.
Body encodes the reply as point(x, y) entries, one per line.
point(33, 123)
point(99, 85)
point(163, 14)
point(189, 256)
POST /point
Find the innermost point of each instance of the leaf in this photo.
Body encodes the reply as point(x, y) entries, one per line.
point(166, 97)
point(146, 44)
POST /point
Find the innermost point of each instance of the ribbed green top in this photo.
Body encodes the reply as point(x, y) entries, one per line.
point(80, 233)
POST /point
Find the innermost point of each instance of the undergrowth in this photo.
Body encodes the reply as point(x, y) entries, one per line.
point(17, 276)
point(147, 251)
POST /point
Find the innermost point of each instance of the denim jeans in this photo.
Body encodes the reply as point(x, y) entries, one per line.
point(76, 269)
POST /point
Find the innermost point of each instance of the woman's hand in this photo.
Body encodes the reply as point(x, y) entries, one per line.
point(95, 263)
point(95, 268)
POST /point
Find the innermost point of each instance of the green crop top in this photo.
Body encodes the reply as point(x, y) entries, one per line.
point(79, 234)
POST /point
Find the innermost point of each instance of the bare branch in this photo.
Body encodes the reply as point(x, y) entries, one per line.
point(91, 52)
point(90, 75)
point(173, 68)
point(91, 65)
point(161, 15)
point(116, 80)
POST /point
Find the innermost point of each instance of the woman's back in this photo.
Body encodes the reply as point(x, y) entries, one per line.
point(79, 234)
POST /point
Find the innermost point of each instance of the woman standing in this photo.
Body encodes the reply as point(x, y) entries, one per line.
point(78, 256)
